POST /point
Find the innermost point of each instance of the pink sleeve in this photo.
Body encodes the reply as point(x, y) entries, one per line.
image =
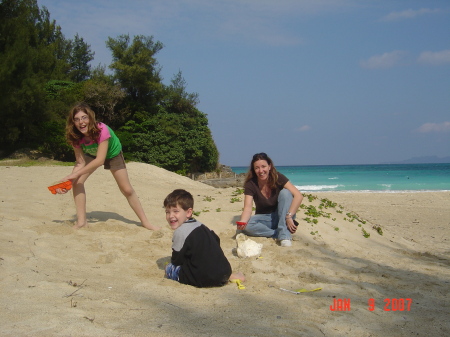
point(104, 133)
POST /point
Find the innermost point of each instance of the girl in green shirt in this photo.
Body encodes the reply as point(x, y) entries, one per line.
point(95, 144)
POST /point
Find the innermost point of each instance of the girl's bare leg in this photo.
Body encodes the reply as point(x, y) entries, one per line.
point(127, 190)
point(79, 196)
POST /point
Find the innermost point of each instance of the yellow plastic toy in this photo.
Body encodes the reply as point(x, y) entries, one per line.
point(239, 283)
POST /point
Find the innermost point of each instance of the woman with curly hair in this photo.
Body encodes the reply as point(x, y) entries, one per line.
point(95, 144)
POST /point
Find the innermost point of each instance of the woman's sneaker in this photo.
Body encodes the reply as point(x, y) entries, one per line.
point(285, 243)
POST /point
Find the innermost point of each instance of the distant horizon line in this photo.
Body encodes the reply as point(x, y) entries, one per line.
point(413, 160)
point(393, 163)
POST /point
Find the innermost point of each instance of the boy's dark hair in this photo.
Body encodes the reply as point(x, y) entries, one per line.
point(179, 197)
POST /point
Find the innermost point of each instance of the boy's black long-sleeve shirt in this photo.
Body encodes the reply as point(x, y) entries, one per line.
point(197, 250)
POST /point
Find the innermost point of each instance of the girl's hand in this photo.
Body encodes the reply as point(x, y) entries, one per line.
point(61, 191)
point(70, 177)
point(61, 188)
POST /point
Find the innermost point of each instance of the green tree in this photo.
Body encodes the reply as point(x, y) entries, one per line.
point(177, 142)
point(42, 75)
point(105, 97)
point(38, 68)
point(197, 142)
point(176, 99)
point(60, 97)
point(32, 52)
point(21, 56)
point(163, 126)
point(79, 58)
point(137, 70)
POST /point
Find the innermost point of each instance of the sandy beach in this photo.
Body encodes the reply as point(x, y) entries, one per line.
point(107, 279)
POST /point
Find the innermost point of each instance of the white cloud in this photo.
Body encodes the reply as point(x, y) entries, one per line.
point(409, 14)
point(385, 60)
point(304, 128)
point(435, 58)
point(434, 127)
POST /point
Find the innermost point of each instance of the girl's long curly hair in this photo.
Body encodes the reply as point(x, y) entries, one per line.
point(273, 174)
point(73, 135)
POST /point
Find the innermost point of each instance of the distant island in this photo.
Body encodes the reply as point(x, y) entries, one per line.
point(423, 160)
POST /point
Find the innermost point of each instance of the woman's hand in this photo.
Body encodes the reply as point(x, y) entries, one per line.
point(291, 225)
point(241, 225)
point(246, 213)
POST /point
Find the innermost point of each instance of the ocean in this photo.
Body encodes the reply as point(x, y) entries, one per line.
point(367, 178)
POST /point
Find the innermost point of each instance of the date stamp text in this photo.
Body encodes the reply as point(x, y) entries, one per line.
point(389, 304)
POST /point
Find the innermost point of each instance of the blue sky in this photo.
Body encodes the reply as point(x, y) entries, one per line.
point(309, 82)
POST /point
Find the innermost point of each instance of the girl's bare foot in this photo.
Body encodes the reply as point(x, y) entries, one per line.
point(79, 225)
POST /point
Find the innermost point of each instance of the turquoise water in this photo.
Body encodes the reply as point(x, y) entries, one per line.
point(382, 178)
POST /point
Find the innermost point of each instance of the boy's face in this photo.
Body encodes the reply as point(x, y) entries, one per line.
point(176, 216)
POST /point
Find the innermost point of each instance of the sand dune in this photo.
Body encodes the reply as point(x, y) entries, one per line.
point(107, 279)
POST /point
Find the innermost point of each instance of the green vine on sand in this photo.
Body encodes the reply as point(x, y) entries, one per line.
point(312, 213)
point(378, 229)
point(238, 191)
point(311, 210)
point(365, 233)
point(309, 220)
point(353, 216)
point(310, 197)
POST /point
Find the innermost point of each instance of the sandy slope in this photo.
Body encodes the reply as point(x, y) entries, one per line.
point(107, 280)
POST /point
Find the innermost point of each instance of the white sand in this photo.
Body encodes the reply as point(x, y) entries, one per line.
point(107, 279)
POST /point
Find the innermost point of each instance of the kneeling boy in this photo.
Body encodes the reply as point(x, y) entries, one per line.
point(197, 258)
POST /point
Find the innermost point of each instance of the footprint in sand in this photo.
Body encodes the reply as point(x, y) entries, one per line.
point(107, 258)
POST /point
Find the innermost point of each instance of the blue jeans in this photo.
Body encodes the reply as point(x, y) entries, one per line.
point(272, 225)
